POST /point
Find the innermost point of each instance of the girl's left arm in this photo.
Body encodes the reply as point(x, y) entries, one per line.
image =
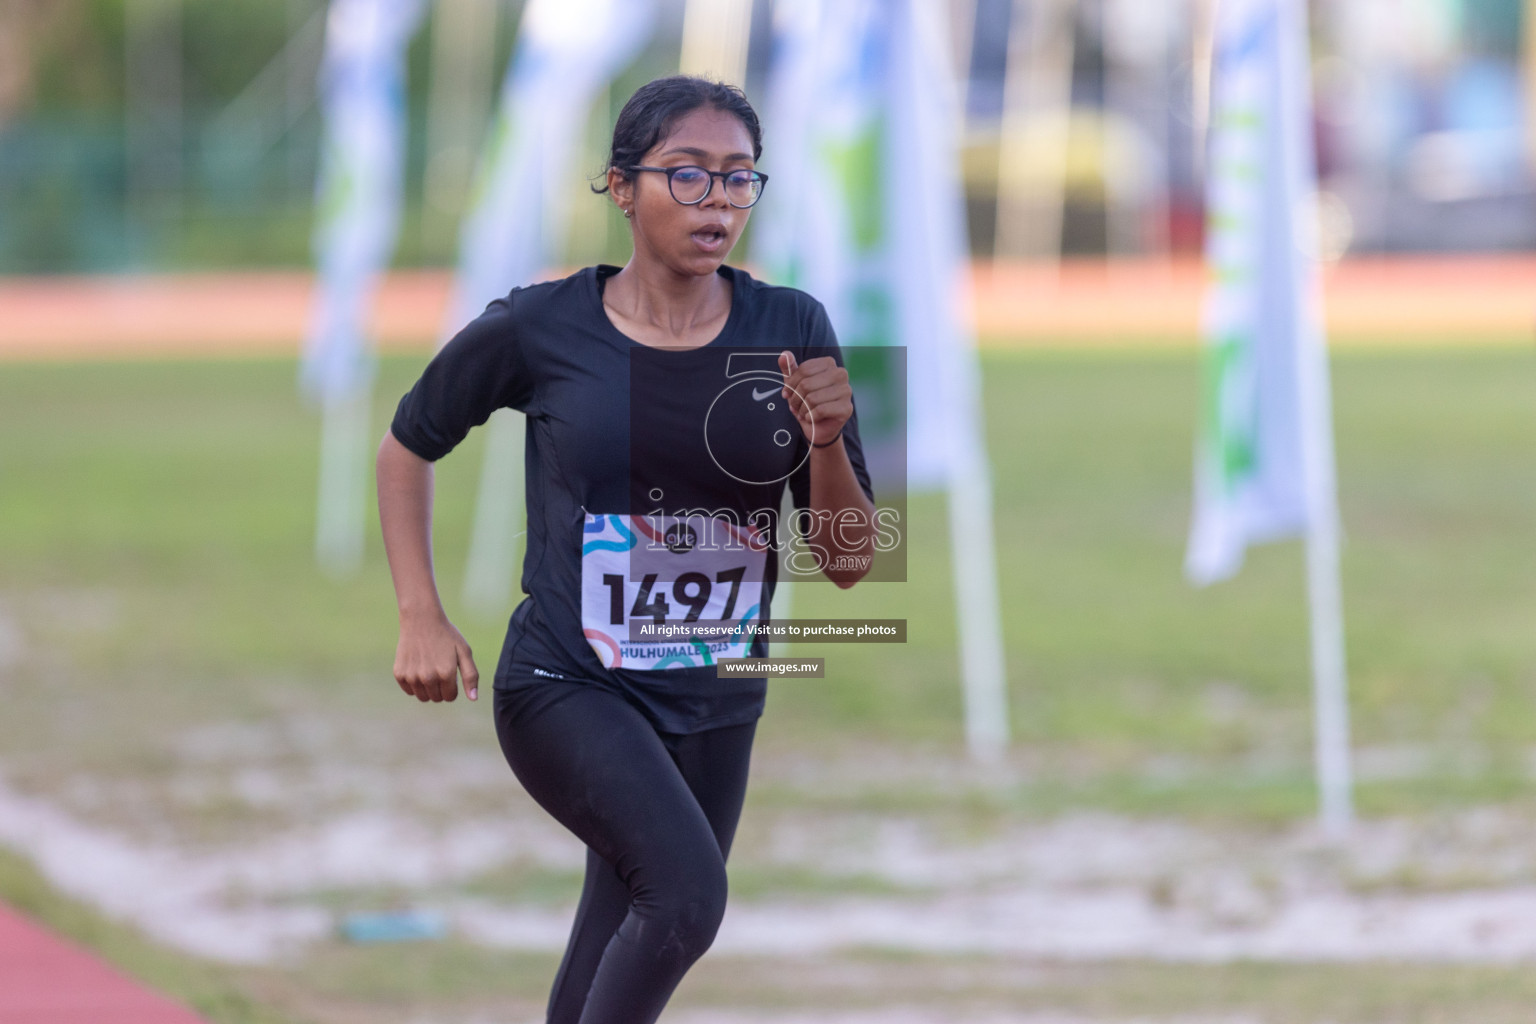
point(842, 531)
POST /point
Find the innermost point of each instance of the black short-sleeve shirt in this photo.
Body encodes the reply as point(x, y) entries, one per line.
point(616, 428)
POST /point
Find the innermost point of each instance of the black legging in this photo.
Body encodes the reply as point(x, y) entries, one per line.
point(657, 812)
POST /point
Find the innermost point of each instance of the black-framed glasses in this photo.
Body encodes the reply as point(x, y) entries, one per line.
point(689, 184)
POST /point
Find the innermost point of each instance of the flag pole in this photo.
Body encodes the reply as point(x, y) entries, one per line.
point(567, 52)
point(1528, 73)
point(715, 39)
point(1265, 465)
point(1329, 683)
point(357, 217)
point(490, 567)
point(458, 106)
point(935, 111)
point(1125, 189)
point(980, 628)
point(1203, 44)
point(1325, 601)
point(962, 37)
point(343, 481)
point(1037, 91)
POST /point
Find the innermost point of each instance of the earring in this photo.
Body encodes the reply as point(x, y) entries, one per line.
point(630, 214)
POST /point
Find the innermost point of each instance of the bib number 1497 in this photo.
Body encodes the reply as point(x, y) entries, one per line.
point(691, 589)
point(653, 569)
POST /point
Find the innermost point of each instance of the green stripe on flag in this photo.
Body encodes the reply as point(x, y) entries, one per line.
point(1229, 424)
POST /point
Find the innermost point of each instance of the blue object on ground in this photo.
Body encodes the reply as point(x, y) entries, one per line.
point(394, 926)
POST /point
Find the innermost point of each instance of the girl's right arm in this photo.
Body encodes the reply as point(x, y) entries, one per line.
point(432, 654)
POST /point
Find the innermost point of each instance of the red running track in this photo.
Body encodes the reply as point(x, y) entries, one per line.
point(45, 980)
point(1433, 300)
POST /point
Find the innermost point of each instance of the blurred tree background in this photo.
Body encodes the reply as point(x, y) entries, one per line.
point(168, 134)
point(180, 134)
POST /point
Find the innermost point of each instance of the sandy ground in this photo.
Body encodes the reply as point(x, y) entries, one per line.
point(246, 841)
point(1392, 301)
point(904, 1015)
point(1458, 888)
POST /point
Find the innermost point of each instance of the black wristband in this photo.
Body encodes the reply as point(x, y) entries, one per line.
point(828, 444)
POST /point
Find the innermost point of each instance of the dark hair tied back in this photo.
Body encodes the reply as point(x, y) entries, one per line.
point(655, 108)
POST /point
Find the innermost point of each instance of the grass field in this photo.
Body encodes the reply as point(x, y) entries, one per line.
point(157, 583)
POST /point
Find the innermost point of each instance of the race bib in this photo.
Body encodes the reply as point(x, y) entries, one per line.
point(695, 582)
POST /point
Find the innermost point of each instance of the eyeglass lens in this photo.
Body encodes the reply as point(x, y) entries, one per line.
point(691, 184)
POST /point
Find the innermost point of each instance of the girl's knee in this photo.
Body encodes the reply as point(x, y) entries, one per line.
point(690, 911)
point(693, 928)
